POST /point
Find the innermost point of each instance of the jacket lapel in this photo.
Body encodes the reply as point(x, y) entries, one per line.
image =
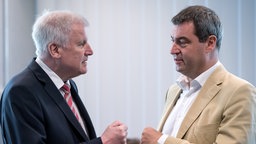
point(211, 87)
point(82, 110)
point(55, 95)
point(170, 103)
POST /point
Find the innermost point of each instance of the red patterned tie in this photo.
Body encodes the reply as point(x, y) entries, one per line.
point(69, 99)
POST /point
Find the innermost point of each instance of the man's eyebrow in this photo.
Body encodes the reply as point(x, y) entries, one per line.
point(179, 38)
point(83, 41)
point(172, 38)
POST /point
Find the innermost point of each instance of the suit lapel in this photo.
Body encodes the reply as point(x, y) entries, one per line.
point(197, 107)
point(55, 95)
point(170, 103)
point(83, 112)
point(211, 87)
point(206, 94)
point(62, 104)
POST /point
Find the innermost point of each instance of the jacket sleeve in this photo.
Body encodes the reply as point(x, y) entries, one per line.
point(21, 118)
point(93, 141)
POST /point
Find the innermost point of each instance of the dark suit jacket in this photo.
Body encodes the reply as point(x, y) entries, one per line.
point(34, 112)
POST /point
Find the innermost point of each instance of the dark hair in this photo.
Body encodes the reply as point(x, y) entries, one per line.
point(205, 20)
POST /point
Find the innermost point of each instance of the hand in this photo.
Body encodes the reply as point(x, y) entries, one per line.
point(150, 136)
point(115, 133)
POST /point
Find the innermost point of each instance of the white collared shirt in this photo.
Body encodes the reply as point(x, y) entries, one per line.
point(53, 76)
point(186, 99)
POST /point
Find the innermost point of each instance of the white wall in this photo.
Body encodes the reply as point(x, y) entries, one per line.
point(2, 60)
point(1, 55)
point(17, 48)
point(131, 68)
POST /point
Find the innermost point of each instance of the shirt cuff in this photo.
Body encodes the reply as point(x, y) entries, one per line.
point(162, 139)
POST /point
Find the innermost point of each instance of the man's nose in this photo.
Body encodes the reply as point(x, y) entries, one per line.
point(88, 50)
point(174, 49)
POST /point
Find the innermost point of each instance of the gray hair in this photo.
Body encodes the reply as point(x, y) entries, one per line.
point(54, 27)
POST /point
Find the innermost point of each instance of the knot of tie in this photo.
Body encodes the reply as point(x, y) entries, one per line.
point(66, 88)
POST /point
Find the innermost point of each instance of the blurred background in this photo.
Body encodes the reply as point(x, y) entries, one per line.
point(131, 68)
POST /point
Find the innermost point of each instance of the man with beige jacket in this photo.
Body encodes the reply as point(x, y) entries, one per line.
point(208, 104)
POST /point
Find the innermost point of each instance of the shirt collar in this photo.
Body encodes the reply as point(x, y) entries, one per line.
point(184, 84)
point(53, 76)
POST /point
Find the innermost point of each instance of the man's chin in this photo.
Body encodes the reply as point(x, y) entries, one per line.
point(178, 69)
point(84, 72)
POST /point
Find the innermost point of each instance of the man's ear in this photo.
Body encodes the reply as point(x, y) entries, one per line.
point(54, 50)
point(211, 43)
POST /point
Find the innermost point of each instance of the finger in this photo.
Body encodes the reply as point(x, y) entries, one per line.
point(116, 123)
point(123, 127)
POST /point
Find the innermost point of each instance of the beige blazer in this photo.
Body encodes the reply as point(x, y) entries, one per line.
point(224, 112)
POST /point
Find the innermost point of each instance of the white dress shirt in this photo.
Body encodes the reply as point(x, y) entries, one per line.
point(189, 93)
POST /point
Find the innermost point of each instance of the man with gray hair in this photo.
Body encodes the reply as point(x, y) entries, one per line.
point(41, 104)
